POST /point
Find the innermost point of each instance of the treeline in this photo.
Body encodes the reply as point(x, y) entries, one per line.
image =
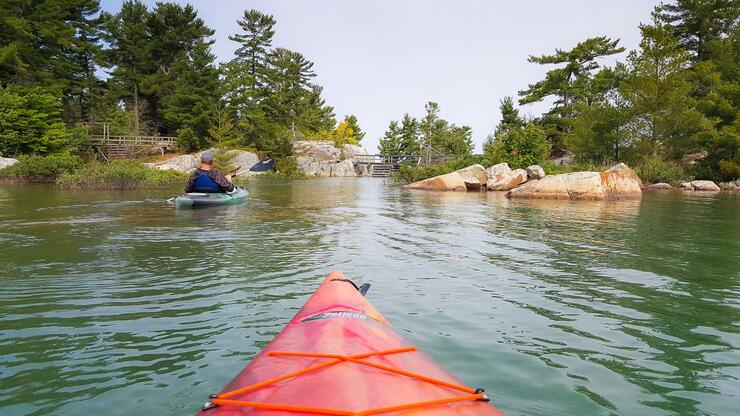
point(152, 72)
point(672, 108)
point(429, 134)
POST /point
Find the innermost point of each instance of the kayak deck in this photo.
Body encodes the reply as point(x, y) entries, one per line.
point(339, 356)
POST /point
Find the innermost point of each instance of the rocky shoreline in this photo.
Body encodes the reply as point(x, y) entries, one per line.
point(617, 183)
point(313, 158)
point(323, 159)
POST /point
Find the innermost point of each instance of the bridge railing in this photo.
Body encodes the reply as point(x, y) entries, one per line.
point(159, 141)
point(411, 159)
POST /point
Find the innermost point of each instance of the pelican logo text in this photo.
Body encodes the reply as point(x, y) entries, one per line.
point(336, 314)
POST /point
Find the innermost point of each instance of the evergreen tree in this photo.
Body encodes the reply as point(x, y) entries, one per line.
point(665, 120)
point(570, 83)
point(223, 131)
point(51, 44)
point(410, 141)
point(696, 24)
point(196, 94)
point(146, 50)
point(441, 136)
point(600, 132)
point(293, 101)
point(128, 37)
point(352, 120)
point(401, 139)
point(509, 116)
point(30, 121)
point(391, 142)
point(519, 146)
point(247, 75)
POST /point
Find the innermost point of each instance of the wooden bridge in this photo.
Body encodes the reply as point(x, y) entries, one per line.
point(126, 147)
point(384, 165)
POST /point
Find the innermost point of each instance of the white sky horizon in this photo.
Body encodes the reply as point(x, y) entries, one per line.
point(378, 59)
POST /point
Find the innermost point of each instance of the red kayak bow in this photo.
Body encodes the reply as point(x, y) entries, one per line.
point(339, 356)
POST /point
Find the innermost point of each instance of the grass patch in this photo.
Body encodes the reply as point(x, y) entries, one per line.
point(119, 174)
point(41, 168)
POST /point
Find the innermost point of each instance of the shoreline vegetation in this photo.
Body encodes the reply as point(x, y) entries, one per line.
point(670, 108)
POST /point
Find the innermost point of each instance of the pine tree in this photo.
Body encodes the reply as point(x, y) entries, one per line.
point(50, 44)
point(440, 136)
point(401, 139)
point(696, 24)
point(246, 74)
point(223, 131)
point(509, 116)
point(352, 120)
point(570, 83)
point(665, 120)
point(128, 55)
point(391, 141)
point(410, 142)
point(197, 92)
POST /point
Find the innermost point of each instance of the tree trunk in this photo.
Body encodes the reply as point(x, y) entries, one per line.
point(136, 109)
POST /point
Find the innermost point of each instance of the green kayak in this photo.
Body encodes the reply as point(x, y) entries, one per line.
point(203, 200)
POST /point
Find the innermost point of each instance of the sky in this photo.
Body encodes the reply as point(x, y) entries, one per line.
point(378, 59)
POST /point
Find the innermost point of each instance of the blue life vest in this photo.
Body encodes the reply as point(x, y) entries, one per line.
point(204, 183)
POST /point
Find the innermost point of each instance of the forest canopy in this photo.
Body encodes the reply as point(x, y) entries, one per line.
point(151, 71)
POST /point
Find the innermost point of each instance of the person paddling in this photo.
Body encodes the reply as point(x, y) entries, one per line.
point(207, 179)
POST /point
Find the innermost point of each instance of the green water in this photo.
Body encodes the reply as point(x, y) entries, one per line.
point(113, 303)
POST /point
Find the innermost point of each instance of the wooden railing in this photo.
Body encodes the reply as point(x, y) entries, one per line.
point(158, 141)
point(414, 160)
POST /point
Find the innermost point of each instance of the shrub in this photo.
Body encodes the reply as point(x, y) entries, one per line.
point(408, 174)
point(120, 174)
point(187, 141)
point(223, 160)
point(31, 121)
point(520, 147)
point(41, 168)
point(654, 170)
point(288, 166)
point(729, 169)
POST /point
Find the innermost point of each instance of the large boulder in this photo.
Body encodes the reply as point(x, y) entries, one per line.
point(475, 176)
point(7, 162)
point(343, 168)
point(660, 186)
point(312, 167)
point(362, 169)
point(320, 150)
point(624, 171)
point(243, 160)
point(565, 159)
point(449, 182)
point(506, 182)
point(608, 185)
point(498, 172)
point(535, 172)
point(700, 186)
point(182, 163)
point(728, 186)
point(351, 150)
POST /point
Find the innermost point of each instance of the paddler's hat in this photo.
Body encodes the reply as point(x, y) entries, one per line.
point(207, 157)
